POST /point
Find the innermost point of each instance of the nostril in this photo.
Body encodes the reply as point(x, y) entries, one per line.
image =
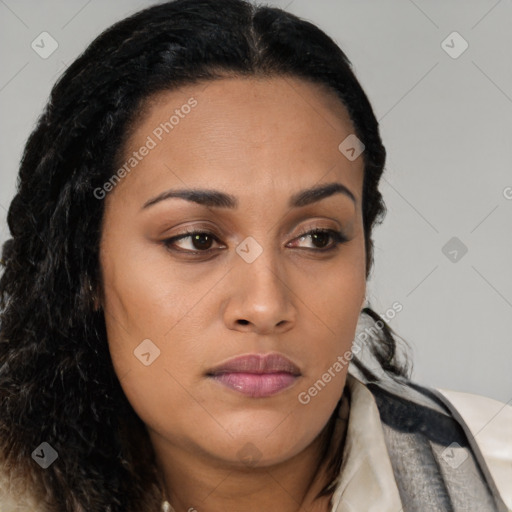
point(243, 322)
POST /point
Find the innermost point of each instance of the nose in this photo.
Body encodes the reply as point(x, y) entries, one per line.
point(260, 298)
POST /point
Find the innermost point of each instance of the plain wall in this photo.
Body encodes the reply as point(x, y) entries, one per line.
point(446, 124)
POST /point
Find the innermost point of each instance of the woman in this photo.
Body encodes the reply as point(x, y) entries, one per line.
point(183, 290)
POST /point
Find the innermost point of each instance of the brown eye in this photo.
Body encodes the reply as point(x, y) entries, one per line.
point(201, 241)
point(193, 242)
point(320, 239)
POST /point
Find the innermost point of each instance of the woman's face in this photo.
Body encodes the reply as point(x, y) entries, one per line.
point(255, 284)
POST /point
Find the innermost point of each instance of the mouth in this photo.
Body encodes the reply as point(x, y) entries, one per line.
point(256, 375)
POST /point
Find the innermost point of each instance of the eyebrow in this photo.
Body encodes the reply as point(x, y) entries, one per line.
point(218, 199)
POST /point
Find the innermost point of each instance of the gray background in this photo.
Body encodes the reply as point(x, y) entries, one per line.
point(446, 123)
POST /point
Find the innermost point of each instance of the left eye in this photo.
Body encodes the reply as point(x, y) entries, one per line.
point(201, 241)
point(321, 236)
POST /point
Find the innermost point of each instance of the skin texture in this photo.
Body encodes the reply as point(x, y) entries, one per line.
point(261, 140)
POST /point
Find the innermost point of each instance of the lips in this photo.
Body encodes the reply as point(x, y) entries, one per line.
point(256, 375)
point(257, 363)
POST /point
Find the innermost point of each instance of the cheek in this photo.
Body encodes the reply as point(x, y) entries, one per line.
point(157, 393)
point(143, 295)
point(331, 310)
point(335, 293)
point(152, 336)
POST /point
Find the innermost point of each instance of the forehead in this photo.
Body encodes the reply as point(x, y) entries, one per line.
point(242, 133)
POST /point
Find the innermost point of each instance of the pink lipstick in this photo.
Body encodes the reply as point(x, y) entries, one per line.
point(256, 375)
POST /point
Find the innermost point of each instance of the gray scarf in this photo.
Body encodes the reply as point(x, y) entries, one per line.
point(426, 439)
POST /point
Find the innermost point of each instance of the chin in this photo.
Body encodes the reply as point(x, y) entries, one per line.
point(270, 448)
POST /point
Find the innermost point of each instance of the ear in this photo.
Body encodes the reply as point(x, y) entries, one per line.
point(96, 302)
point(93, 296)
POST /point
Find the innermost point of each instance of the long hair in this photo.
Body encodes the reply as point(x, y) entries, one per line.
point(57, 381)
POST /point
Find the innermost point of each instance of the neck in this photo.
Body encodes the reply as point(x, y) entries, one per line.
point(202, 485)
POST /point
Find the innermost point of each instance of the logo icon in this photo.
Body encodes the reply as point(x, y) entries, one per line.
point(249, 454)
point(351, 147)
point(44, 45)
point(454, 249)
point(146, 352)
point(45, 455)
point(454, 455)
point(249, 249)
point(454, 45)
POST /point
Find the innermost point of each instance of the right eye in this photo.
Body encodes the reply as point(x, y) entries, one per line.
point(197, 242)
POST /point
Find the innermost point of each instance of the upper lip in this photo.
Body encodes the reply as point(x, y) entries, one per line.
point(256, 363)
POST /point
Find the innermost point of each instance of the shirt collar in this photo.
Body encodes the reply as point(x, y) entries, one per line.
point(366, 480)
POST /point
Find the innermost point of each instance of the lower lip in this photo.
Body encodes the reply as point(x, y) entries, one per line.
point(256, 385)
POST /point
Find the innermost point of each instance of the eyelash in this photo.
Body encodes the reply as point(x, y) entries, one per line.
point(337, 236)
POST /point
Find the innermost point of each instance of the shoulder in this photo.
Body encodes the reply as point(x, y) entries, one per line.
point(10, 503)
point(489, 423)
point(426, 429)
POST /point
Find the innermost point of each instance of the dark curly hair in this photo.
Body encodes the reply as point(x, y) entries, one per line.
point(57, 381)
